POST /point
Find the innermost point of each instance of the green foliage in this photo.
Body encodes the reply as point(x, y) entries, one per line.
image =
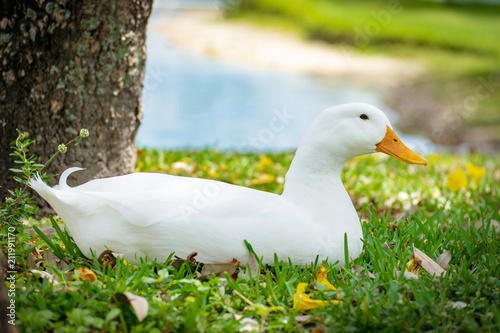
point(71, 250)
point(415, 29)
point(430, 217)
point(19, 205)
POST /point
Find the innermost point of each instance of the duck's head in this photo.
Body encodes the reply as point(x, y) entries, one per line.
point(354, 129)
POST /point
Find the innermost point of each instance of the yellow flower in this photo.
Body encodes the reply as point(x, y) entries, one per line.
point(264, 178)
point(303, 302)
point(321, 278)
point(86, 274)
point(266, 161)
point(456, 180)
point(475, 172)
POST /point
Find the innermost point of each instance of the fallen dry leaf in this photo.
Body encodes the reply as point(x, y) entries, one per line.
point(107, 258)
point(429, 265)
point(49, 231)
point(50, 258)
point(494, 225)
point(31, 263)
point(139, 304)
point(252, 266)
point(358, 269)
point(250, 323)
point(219, 269)
point(52, 278)
point(36, 253)
point(190, 260)
point(444, 258)
point(222, 290)
point(86, 274)
point(70, 275)
point(408, 275)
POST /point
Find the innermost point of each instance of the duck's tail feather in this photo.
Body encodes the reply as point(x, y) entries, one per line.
point(64, 177)
point(47, 192)
point(44, 190)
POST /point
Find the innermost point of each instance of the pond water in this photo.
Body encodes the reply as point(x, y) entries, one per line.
point(193, 101)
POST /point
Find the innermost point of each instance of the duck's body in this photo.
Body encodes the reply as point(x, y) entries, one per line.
point(152, 215)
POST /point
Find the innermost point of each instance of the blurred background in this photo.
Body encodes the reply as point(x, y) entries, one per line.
point(251, 75)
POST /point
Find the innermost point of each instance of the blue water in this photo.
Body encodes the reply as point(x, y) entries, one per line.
point(193, 101)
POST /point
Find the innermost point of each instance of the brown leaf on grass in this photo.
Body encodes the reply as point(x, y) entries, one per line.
point(444, 258)
point(51, 277)
point(107, 259)
point(252, 266)
point(139, 304)
point(410, 275)
point(191, 257)
point(393, 226)
point(31, 263)
point(250, 323)
point(48, 231)
point(220, 269)
point(36, 253)
point(60, 264)
point(70, 275)
point(429, 265)
point(494, 225)
point(358, 269)
point(222, 290)
point(190, 260)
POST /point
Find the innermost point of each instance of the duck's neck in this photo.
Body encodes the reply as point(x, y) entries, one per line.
point(313, 181)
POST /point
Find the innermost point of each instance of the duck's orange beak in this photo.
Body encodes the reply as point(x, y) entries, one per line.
point(392, 145)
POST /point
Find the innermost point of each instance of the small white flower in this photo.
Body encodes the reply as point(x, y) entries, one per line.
point(84, 133)
point(62, 148)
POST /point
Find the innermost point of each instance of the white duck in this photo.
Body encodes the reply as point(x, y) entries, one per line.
point(153, 215)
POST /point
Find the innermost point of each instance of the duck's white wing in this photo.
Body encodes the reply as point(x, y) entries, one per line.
point(144, 199)
point(155, 214)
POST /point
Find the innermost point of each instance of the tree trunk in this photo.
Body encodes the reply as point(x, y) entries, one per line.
point(67, 65)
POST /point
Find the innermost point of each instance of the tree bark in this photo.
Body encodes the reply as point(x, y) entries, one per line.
point(67, 65)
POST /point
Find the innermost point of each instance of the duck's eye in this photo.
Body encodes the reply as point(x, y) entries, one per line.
point(364, 117)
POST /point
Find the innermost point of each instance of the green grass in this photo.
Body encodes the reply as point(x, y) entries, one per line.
point(432, 31)
point(430, 217)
